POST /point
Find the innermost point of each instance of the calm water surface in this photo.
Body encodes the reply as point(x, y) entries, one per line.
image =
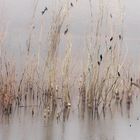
point(118, 124)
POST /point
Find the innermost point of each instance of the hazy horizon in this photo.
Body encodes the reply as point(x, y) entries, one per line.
point(17, 16)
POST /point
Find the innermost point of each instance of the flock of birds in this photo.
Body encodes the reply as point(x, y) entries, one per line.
point(101, 56)
point(46, 9)
point(66, 31)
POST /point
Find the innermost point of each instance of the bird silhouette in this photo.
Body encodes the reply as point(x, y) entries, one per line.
point(110, 48)
point(101, 57)
point(44, 10)
point(71, 4)
point(119, 74)
point(111, 39)
point(66, 31)
point(32, 112)
point(120, 37)
point(98, 63)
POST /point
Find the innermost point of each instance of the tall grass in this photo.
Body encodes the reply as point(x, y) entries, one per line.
point(46, 82)
point(104, 81)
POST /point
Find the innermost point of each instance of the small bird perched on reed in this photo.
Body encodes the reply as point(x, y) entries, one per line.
point(119, 74)
point(71, 4)
point(101, 57)
point(120, 37)
point(110, 48)
point(32, 112)
point(66, 31)
point(111, 38)
point(131, 79)
point(98, 63)
point(44, 10)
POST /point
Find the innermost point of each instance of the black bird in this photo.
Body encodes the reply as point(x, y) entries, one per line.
point(98, 63)
point(119, 74)
point(66, 31)
point(101, 57)
point(111, 39)
point(120, 37)
point(110, 48)
point(44, 10)
point(32, 112)
point(71, 4)
point(131, 79)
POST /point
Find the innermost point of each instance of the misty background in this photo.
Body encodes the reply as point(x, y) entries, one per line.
point(16, 16)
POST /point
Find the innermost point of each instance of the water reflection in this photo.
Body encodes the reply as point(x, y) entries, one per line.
point(72, 124)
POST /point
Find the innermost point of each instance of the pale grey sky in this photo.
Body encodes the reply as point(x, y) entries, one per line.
point(18, 13)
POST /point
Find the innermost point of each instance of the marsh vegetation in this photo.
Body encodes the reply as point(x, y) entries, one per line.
point(49, 81)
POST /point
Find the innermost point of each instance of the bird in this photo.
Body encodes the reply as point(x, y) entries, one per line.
point(131, 79)
point(44, 10)
point(120, 37)
point(110, 48)
point(119, 74)
point(98, 63)
point(101, 57)
point(32, 112)
point(111, 39)
point(66, 31)
point(71, 4)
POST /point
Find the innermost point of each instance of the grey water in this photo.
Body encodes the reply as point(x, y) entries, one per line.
point(117, 124)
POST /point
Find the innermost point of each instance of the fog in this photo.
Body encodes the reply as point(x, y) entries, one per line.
point(16, 17)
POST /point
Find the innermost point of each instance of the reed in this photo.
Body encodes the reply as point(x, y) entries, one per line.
point(47, 83)
point(104, 80)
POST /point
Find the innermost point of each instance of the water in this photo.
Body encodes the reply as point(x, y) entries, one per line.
point(118, 124)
